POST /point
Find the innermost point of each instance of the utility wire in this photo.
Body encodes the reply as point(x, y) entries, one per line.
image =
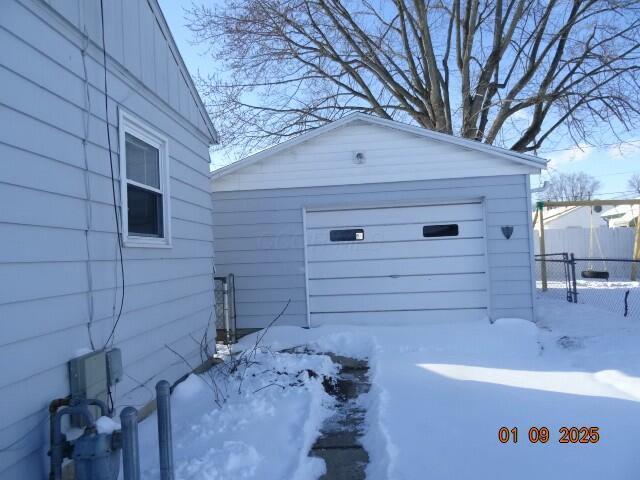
point(87, 190)
point(585, 147)
point(113, 181)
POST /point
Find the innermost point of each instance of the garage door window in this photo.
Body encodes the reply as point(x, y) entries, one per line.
point(450, 230)
point(349, 235)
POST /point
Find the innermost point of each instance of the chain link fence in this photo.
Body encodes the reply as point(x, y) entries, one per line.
point(609, 284)
point(554, 276)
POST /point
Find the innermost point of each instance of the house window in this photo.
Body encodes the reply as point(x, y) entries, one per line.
point(144, 185)
point(350, 235)
point(450, 230)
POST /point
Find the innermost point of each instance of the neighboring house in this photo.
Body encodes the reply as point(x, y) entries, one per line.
point(622, 216)
point(60, 274)
point(584, 231)
point(367, 220)
point(571, 217)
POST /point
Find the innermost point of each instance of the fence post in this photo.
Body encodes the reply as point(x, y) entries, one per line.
point(636, 251)
point(231, 293)
point(225, 308)
point(543, 265)
point(163, 400)
point(574, 283)
point(130, 450)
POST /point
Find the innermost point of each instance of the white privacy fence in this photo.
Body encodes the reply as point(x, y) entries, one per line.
point(607, 242)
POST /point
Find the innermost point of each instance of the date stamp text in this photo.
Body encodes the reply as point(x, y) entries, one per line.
point(576, 435)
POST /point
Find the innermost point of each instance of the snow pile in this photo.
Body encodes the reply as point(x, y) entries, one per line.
point(270, 417)
point(440, 393)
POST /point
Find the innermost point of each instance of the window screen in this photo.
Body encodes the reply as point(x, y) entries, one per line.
point(449, 230)
point(349, 235)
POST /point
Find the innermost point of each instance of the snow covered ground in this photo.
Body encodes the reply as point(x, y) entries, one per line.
point(440, 393)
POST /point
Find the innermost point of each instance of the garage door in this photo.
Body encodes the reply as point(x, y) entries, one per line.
point(397, 264)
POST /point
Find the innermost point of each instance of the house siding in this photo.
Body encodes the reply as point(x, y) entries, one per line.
point(49, 251)
point(259, 237)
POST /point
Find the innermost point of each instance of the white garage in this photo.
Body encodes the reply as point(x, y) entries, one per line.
point(368, 221)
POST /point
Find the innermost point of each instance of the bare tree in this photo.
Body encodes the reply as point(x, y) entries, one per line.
point(571, 186)
point(634, 183)
point(507, 72)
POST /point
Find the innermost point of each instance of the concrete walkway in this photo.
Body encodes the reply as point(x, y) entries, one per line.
point(339, 443)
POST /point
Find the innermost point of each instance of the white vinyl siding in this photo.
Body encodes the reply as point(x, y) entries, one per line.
point(46, 240)
point(390, 155)
point(395, 269)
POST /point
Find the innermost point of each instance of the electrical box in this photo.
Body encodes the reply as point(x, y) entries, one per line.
point(114, 366)
point(88, 379)
point(88, 376)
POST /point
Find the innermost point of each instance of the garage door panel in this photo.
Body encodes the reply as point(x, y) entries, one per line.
point(418, 283)
point(402, 301)
point(396, 215)
point(394, 272)
point(400, 317)
point(412, 249)
point(400, 267)
point(394, 233)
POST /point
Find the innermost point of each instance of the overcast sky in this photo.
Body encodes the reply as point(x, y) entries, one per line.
point(612, 165)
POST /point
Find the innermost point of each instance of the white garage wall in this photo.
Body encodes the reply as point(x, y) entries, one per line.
point(259, 238)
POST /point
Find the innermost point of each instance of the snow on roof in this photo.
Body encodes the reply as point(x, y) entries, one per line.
point(621, 215)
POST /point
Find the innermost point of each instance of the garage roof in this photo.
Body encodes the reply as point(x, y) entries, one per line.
point(487, 159)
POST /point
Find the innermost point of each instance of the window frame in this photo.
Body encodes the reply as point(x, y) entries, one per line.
point(134, 126)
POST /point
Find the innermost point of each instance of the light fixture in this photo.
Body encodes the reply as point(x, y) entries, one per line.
point(358, 158)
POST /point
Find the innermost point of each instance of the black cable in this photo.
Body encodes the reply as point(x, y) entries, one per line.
point(113, 181)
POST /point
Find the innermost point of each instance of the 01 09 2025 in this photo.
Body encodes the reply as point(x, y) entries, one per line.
point(569, 435)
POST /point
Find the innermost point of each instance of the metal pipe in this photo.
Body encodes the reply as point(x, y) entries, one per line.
point(58, 439)
point(163, 401)
point(130, 450)
point(541, 189)
point(56, 454)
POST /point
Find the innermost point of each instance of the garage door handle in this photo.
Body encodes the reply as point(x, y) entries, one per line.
point(394, 276)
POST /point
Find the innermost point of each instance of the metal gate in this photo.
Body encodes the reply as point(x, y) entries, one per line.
point(225, 305)
point(557, 276)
